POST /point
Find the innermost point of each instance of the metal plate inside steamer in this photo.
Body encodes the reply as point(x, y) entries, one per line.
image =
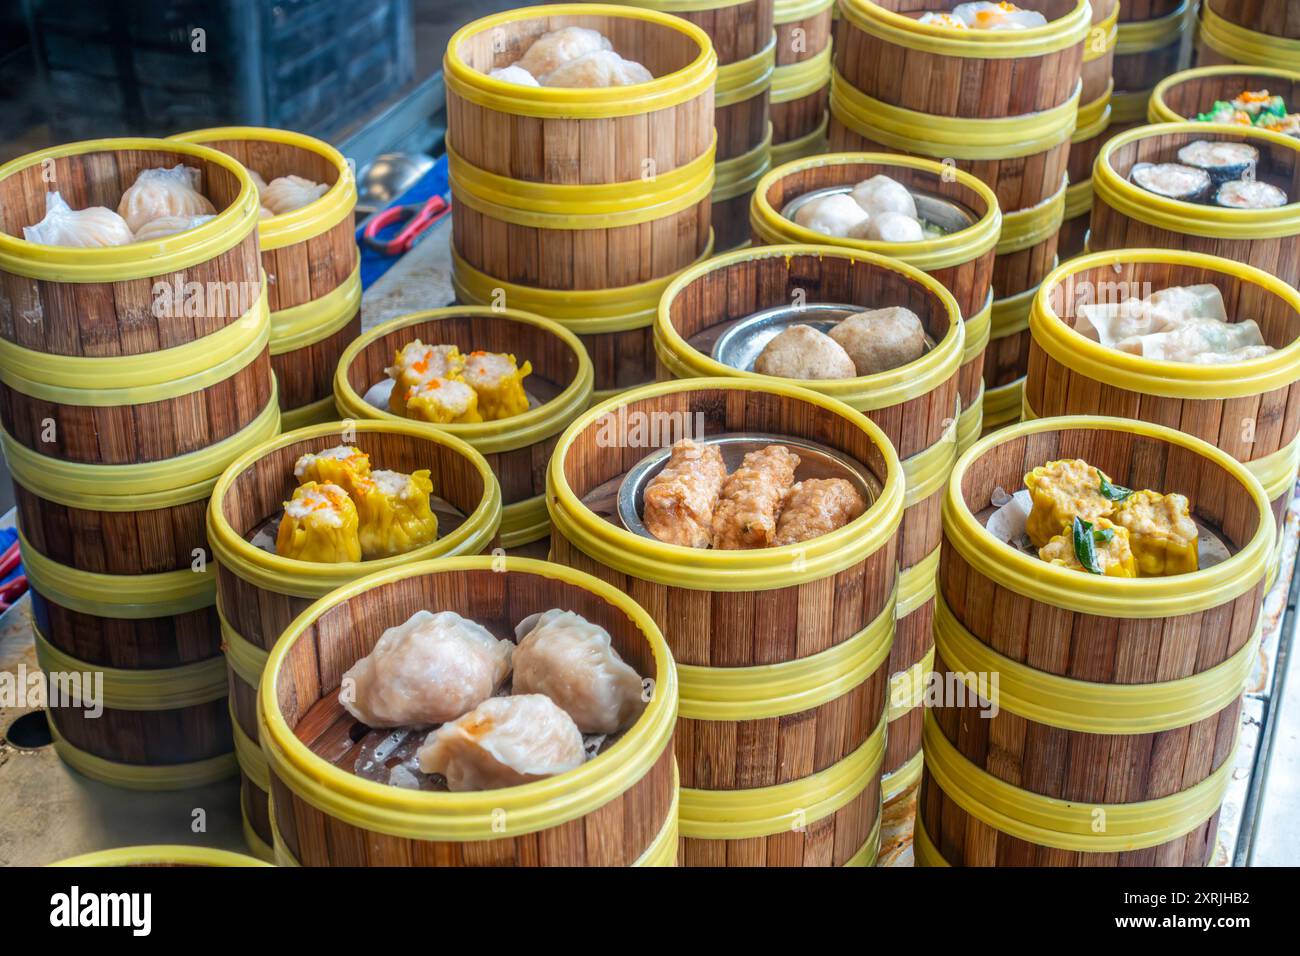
point(941, 215)
point(815, 461)
point(741, 343)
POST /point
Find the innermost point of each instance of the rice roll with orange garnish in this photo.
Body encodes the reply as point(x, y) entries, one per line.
point(394, 513)
point(319, 524)
point(499, 383)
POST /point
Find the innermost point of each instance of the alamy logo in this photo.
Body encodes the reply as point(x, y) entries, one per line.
point(133, 910)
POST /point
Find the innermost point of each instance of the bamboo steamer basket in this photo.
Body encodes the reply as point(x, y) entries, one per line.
point(617, 809)
point(1092, 132)
point(783, 652)
point(1125, 216)
point(581, 189)
point(1182, 96)
point(903, 87)
point(161, 855)
point(1099, 52)
point(737, 180)
point(259, 594)
point(1118, 699)
point(1246, 409)
point(107, 313)
point(516, 448)
point(962, 261)
point(1151, 46)
point(1252, 34)
point(801, 80)
point(310, 258)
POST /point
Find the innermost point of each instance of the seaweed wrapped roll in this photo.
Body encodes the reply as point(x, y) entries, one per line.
point(1172, 180)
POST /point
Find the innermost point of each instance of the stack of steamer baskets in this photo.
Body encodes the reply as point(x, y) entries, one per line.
point(1185, 95)
point(130, 376)
point(260, 593)
point(1002, 105)
point(581, 204)
point(802, 78)
point(1093, 125)
point(914, 405)
point(516, 448)
point(1110, 736)
point(742, 36)
point(1249, 32)
point(1154, 41)
point(313, 269)
point(783, 652)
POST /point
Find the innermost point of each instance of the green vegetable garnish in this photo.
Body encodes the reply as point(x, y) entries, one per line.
point(1112, 492)
point(1103, 535)
point(1085, 545)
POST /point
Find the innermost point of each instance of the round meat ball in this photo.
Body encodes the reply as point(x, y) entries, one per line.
point(800, 351)
point(881, 339)
point(881, 194)
point(833, 215)
point(891, 227)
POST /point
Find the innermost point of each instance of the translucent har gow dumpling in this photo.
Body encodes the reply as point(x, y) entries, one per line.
point(166, 226)
point(602, 68)
point(428, 670)
point(504, 742)
point(573, 662)
point(882, 194)
point(514, 74)
point(550, 51)
point(286, 193)
point(833, 215)
point(88, 228)
point(258, 181)
point(163, 192)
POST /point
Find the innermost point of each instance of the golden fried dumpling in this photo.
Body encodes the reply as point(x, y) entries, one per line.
point(498, 382)
point(1060, 491)
point(1161, 532)
point(342, 465)
point(430, 669)
point(504, 742)
point(1109, 552)
point(394, 513)
point(573, 662)
point(416, 363)
point(163, 192)
point(319, 524)
point(442, 401)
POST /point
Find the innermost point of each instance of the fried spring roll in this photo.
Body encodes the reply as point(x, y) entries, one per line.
point(816, 507)
point(751, 499)
point(680, 500)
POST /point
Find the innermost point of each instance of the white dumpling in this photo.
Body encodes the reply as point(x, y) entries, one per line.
point(258, 181)
point(602, 68)
point(573, 662)
point(550, 51)
point(997, 16)
point(800, 351)
point(503, 742)
point(1187, 340)
point(881, 339)
point(287, 193)
point(80, 228)
point(428, 670)
point(514, 74)
point(166, 226)
point(882, 194)
point(890, 227)
point(833, 215)
point(1110, 322)
point(163, 192)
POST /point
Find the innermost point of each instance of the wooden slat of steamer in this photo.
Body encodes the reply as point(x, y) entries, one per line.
point(148, 737)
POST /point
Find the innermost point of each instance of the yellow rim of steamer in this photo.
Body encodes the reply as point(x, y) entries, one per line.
point(1159, 111)
point(1059, 34)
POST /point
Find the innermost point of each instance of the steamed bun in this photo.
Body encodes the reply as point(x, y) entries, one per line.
point(800, 351)
point(881, 339)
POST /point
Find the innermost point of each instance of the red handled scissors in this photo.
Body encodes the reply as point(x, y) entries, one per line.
point(417, 219)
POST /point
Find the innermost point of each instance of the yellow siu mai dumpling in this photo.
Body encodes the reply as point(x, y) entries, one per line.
point(319, 524)
point(416, 363)
point(394, 514)
point(499, 384)
point(1061, 491)
point(343, 465)
point(442, 401)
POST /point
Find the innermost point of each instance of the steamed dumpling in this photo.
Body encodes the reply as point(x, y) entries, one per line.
point(431, 669)
point(394, 514)
point(998, 16)
point(166, 226)
point(881, 194)
point(800, 351)
point(163, 192)
point(78, 228)
point(550, 51)
point(601, 68)
point(573, 662)
point(890, 227)
point(504, 742)
point(834, 215)
point(514, 74)
point(287, 193)
point(881, 339)
point(319, 524)
point(258, 181)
